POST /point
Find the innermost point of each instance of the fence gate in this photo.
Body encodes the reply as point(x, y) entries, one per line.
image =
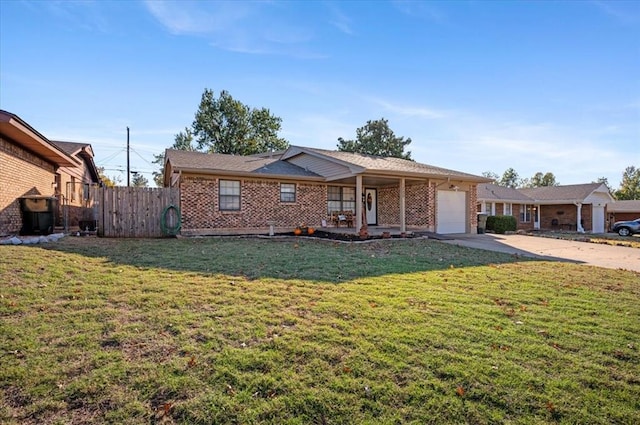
point(137, 212)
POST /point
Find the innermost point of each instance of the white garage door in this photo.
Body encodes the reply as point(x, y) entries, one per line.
point(452, 212)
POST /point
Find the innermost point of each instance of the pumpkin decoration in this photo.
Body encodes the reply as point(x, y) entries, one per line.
point(297, 231)
point(311, 230)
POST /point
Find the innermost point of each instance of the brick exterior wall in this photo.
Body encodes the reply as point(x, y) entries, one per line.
point(259, 204)
point(420, 206)
point(565, 214)
point(472, 201)
point(78, 208)
point(620, 216)
point(388, 206)
point(417, 206)
point(21, 173)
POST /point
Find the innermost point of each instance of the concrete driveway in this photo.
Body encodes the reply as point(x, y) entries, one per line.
point(608, 256)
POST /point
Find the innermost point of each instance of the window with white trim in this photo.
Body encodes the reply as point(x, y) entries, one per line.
point(525, 213)
point(229, 195)
point(287, 192)
point(508, 209)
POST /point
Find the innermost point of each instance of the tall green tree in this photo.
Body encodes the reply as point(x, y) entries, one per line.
point(605, 181)
point(225, 125)
point(540, 180)
point(510, 178)
point(376, 138)
point(491, 175)
point(106, 180)
point(630, 184)
point(139, 180)
point(183, 141)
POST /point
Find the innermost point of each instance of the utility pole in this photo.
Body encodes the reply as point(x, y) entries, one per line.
point(128, 173)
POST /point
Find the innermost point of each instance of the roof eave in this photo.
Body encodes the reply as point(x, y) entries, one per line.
point(435, 176)
point(247, 174)
point(18, 130)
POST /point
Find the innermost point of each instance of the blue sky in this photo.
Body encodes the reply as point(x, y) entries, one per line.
point(478, 86)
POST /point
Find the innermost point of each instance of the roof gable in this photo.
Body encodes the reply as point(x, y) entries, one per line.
point(83, 153)
point(235, 164)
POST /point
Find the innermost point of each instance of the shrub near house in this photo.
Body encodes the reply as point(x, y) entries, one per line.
point(501, 223)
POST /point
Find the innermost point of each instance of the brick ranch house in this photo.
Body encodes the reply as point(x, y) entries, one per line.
point(578, 207)
point(32, 165)
point(227, 194)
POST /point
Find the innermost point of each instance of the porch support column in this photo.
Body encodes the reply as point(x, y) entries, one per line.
point(536, 225)
point(403, 221)
point(579, 219)
point(358, 202)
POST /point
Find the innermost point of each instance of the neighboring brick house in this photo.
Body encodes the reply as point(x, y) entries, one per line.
point(622, 211)
point(76, 185)
point(227, 194)
point(578, 207)
point(30, 164)
point(501, 200)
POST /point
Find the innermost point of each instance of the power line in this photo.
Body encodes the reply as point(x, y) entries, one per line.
point(141, 157)
point(110, 157)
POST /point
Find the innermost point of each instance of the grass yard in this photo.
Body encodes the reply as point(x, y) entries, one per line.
point(252, 331)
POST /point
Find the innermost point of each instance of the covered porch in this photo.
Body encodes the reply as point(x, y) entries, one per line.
point(399, 204)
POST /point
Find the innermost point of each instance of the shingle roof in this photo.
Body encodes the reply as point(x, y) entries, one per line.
point(69, 147)
point(191, 160)
point(271, 164)
point(624, 206)
point(573, 192)
point(378, 163)
point(78, 150)
point(493, 192)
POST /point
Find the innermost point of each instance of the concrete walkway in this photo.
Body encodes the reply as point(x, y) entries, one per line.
point(608, 256)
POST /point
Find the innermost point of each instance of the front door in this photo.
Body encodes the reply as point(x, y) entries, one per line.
point(370, 206)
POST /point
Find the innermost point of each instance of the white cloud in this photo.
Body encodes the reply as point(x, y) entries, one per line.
point(429, 11)
point(340, 20)
point(624, 12)
point(263, 28)
point(408, 110)
point(86, 15)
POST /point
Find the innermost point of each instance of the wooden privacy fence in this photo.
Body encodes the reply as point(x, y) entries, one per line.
point(138, 212)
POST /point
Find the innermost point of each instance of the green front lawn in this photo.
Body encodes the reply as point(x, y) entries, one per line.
point(248, 331)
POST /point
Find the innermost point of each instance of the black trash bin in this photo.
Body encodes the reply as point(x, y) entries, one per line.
point(38, 215)
point(482, 223)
